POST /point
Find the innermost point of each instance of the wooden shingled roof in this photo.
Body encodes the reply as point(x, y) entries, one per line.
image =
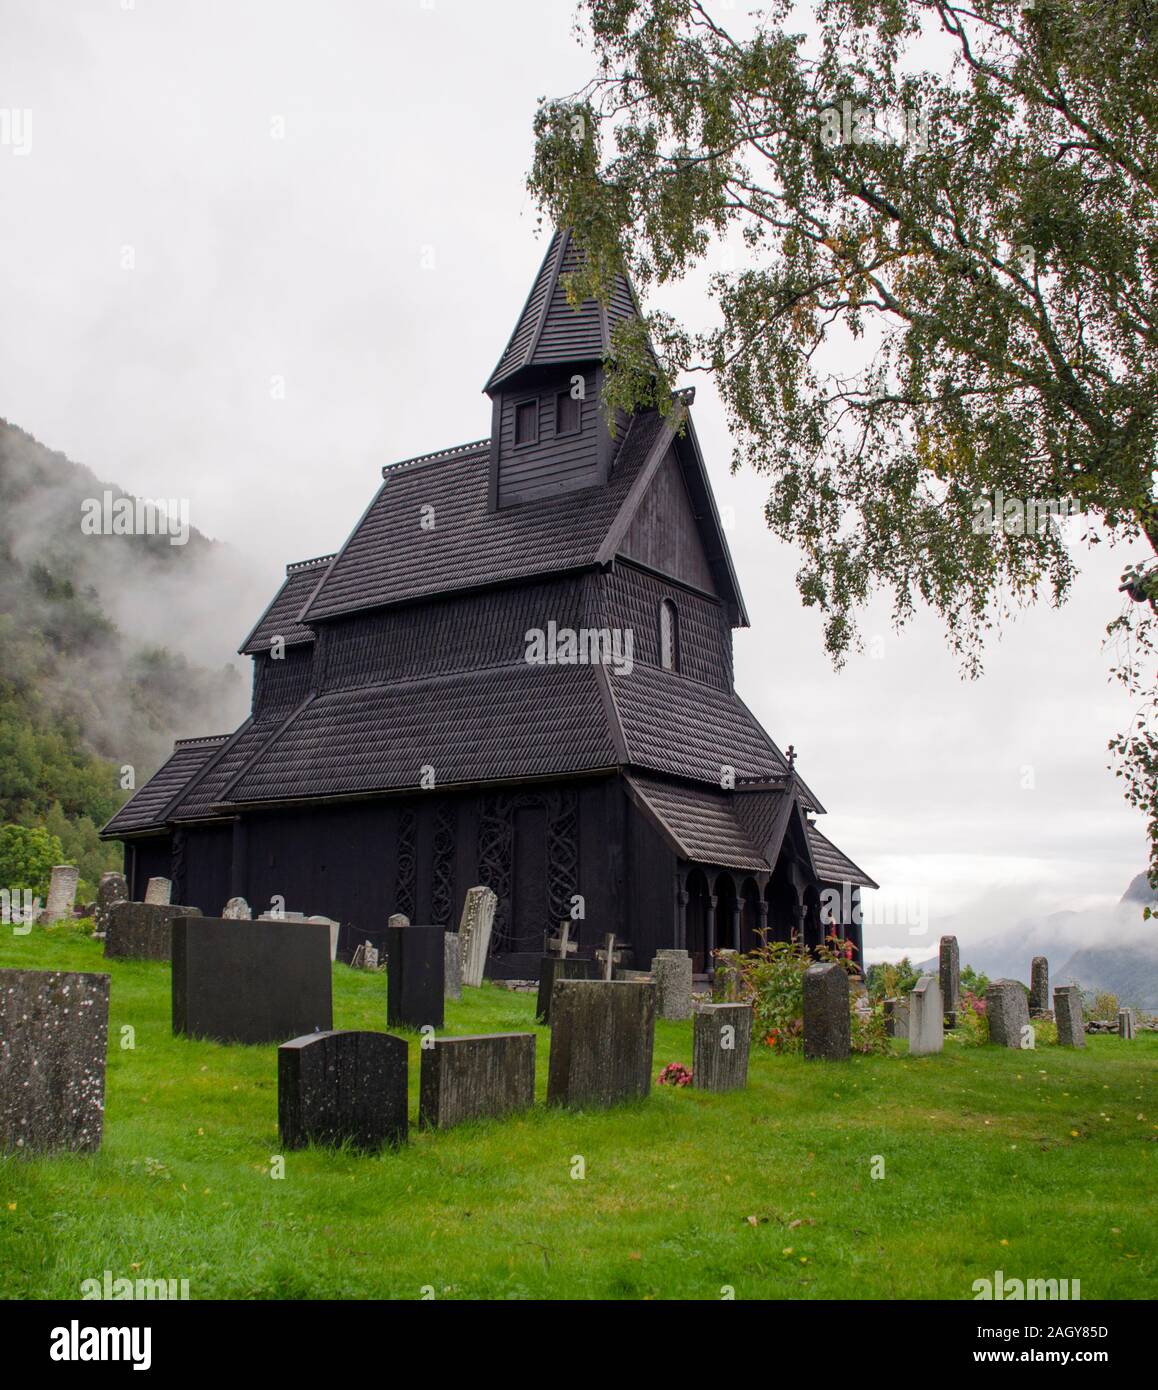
point(149, 805)
point(549, 331)
point(280, 619)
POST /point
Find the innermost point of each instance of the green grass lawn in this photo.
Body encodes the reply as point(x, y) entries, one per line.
point(1042, 1164)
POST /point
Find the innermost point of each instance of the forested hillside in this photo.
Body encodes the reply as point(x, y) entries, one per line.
point(95, 676)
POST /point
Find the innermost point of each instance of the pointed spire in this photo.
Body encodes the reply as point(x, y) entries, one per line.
point(549, 331)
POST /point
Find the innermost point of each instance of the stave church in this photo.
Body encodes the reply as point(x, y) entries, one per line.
point(516, 671)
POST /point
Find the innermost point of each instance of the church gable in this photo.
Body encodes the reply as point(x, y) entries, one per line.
point(665, 534)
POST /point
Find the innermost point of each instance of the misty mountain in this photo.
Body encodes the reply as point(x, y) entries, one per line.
point(104, 634)
point(1111, 949)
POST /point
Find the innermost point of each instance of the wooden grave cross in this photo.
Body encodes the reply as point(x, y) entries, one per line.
point(562, 945)
point(609, 956)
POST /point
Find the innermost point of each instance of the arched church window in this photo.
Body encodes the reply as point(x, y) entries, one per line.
point(669, 636)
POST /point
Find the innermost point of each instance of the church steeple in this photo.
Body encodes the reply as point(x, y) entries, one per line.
point(550, 333)
point(548, 435)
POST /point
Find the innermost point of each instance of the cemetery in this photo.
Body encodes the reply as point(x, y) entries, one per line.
point(312, 1129)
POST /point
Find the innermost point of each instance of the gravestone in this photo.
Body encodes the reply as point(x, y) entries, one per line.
point(53, 1043)
point(452, 965)
point(721, 1040)
point(112, 889)
point(602, 1038)
point(61, 894)
point(638, 977)
point(474, 933)
point(398, 919)
point(335, 932)
point(1067, 1008)
point(827, 1028)
point(1039, 988)
point(554, 968)
point(897, 1018)
point(473, 1078)
point(1007, 1009)
point(672, 971)
point(1126, 1024)
point(143, 931)
point(159, 891)
point(726, 983)
point(926, 1017)
point(415, 968)
point(250, 982)
point(342, 1087)
point(950, 979)
point(236, 910)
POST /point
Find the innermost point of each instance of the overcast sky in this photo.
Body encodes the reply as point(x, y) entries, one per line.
point(254, 251)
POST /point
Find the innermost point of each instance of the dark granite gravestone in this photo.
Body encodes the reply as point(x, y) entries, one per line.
point(1067, 1008)
point(53, 1039)
point(950, 979)
point(143, 931)
point(827, 1028)
point(552, 968)
point(1007, 1011)
point(602, 1037)
point(1039, 988)
point(473, 1078)
point(415, 976)
point(112, 889)
point(1126, 1024)
point(721, 1040)
point(342, 1087)
point(250, 982)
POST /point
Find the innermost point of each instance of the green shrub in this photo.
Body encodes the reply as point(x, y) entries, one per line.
point(891, 979)
point(772, 977)
point(27, 856)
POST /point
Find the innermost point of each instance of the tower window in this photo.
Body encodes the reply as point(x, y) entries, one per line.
point(568, 414)
point(527, 422)
point(669, 636)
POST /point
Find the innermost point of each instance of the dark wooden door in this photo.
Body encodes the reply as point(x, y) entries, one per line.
point(529, 879)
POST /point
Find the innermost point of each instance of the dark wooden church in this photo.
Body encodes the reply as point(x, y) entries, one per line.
point(517, 671)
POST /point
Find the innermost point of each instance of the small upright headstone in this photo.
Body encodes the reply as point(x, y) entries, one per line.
point(335, 932)
point(1007, 1010)
point(721, 1040)
point(672, 971)
point(342, 1087)
point(112, 889)
point(897, 1018)
point(475, 1078)
point(250, 982)
point(926, 1017)
point(950, 979)
point(726, 982)
point(61, 894)
point(415, 966)
point(602, 1039)
point(452, 965)
point(159, 891)
point(398, 919)
point(1067, 1008)
point(143, 931)
point(474, 933)
point(827, 1027)
point(369, 956)
point(1126, 1024)
point(1039, 988)
point(53, 1041)
point(236, 910)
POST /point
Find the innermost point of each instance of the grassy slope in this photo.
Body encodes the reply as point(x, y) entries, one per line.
point(1040, 1164)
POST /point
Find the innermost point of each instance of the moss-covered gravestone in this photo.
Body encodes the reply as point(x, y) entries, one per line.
point(602, 1040)
point(476, 1078)
point(827, 1026)
point(143, 931)
point(721, 1041)
point(53, 1039)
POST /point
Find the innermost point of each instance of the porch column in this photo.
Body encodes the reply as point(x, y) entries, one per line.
point(736, 905)
point(683, 897)
point(762, 910)
point(854, 932)
point(710, 933)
